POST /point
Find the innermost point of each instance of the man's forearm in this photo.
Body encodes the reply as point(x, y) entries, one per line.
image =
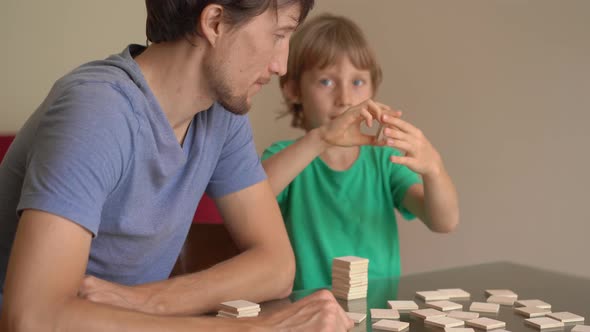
point(82, 315)
point(256, 275)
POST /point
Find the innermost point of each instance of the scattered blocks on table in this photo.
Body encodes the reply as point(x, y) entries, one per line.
point(485, 323)
point(384, 314)
point(426, 313)
point(532, 311)
point(403, 305)
point(566, 317)
point(444, 322)
point(532, 303)
point(390, 325)
point(485, 307)
point(542, 323)
point(356, 317)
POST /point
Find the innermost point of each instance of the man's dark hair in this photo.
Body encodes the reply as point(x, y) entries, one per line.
point(170, 20)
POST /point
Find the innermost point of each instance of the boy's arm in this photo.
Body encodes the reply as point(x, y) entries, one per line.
point(282, 167)
point(435, 202)
point(263, 271)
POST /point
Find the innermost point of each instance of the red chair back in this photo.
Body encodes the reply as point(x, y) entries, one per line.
point(5, 141)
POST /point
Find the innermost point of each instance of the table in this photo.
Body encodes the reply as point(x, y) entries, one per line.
point(564, 292)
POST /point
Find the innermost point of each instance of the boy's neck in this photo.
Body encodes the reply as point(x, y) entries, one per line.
point(340, 158)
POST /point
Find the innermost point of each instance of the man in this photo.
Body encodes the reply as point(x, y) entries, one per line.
point(105, 175)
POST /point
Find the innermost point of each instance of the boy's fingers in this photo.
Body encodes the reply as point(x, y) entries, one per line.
point(368, 117)
point(399, 123)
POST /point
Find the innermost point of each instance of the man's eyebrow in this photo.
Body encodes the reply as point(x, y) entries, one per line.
point(290, 25)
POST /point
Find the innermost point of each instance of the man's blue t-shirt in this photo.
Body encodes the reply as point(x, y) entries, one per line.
point(100, 152)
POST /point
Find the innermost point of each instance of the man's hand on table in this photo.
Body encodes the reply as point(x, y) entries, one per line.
point(317, 312)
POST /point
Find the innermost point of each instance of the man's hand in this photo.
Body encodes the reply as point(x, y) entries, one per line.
point(317, 312)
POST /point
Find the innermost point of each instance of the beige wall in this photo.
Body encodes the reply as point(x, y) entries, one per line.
point(501, 87)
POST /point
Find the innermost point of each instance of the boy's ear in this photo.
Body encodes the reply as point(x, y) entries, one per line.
point(291, 92)
point(211, 23)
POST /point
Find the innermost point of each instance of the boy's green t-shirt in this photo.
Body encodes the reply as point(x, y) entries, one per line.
point(332, 213)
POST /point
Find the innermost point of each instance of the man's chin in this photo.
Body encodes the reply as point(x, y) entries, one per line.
point(240, 108)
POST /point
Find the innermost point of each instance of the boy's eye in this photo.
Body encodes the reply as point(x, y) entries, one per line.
point(326, 82)
point(358, 82)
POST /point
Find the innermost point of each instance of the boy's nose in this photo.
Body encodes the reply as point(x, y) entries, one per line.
point(344, 97)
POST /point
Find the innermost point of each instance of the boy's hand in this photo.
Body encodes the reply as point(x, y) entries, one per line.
point(344, 130)
point(420, 156)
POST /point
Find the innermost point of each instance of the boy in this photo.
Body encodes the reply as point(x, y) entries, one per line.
point(337, 188)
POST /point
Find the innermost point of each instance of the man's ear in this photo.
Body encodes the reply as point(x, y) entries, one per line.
point(211, 23)
point(291, 92)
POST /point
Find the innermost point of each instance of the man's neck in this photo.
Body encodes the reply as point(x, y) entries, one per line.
point(173, 71)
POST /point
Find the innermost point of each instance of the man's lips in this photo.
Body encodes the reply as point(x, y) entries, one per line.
point(263, 81)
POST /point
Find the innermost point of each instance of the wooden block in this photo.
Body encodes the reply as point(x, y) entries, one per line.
point(390, 325)
point(239, 306)
point(484, 307)
point(531, 311)
point(543, 323)
point(226, 314)
point(384, 314)
point(402, 305)
point(459, 329)
point(348, 296)
point(532, 303)
point(425, 313)
point(485, 323)
point(455, 293)
point(444, 305)
point(356, 317)
point(443, 322)
point(501, 292)
point(380, 134)
point(350, 261)
point(463, 315)
point(502, 300)
point(431, 296)
point(566, 317)
point(581, 328)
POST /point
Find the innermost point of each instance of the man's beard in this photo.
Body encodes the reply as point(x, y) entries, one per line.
point(222, 93)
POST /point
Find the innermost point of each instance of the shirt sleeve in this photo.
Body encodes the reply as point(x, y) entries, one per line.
point(238, 166)
point(79, 153)
point(402, 178)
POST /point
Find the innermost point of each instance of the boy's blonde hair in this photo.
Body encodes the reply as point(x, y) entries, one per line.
point(319, 43)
